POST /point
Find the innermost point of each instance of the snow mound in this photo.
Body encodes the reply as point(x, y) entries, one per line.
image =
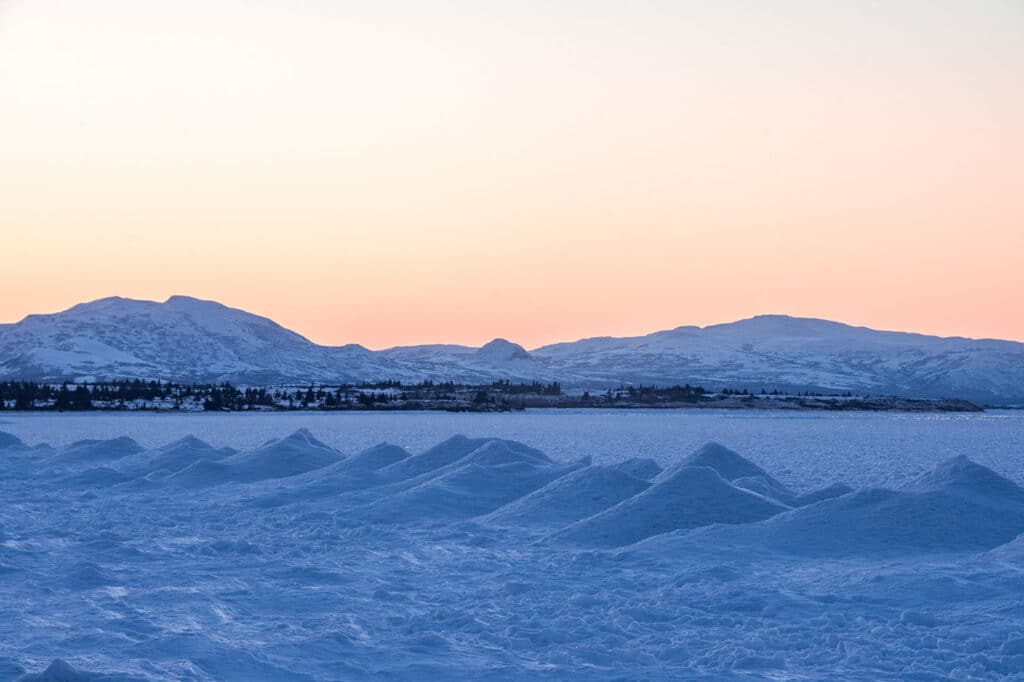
point(570, 498)
point(960, 476)
point(1012, 551)
point(377, 457)
point(328, 482)
point(10, 442)
point(442, 454)
point(766, 487)
point(202, 474)
point(729, 464)
point(487, 478)
point(98, 477)
point(497, 452)
point(57, 671)
point(740, 471)
point(84, 451)
point(960, 506)
point(362, 486)
point(295, 454)
point(639, 467)
point(682, 497)
point(827, 493)
point(175, 456)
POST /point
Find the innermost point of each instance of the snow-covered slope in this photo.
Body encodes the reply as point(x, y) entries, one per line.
point(498, 359)
point(193, 340)
point(960, 506)
point(777, 351)
point(183, 338)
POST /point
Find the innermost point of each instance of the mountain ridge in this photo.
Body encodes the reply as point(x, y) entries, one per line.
point(190, 339)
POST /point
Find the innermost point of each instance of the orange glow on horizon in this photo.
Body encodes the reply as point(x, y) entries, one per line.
point(405, 173)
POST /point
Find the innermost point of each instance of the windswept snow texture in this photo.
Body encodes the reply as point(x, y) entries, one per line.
point(485, 558)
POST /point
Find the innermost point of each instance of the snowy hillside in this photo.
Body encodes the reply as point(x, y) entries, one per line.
point(499, 359)
point(777, 351)
point(193, 340)
point(182, 339)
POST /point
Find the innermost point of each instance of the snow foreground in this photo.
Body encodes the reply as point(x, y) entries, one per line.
point(483, 558)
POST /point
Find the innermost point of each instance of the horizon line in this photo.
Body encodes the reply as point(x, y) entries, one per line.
point(170, 298)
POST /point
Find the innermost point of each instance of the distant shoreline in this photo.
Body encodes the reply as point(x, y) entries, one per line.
point(393, 396)
point(885, 404)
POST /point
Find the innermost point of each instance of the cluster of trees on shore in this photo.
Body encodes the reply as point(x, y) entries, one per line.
point(28, 395)
point(498, 396)
point(137, 394)
point(501, 395)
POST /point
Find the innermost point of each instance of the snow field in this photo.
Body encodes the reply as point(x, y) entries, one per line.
point(484, 558)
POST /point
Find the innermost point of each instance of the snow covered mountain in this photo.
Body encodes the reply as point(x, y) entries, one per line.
point(192, 340)
point(777, 351)
point(499, 359)
point(183, 338)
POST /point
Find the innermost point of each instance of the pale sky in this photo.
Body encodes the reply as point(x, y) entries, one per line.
point(397, 172)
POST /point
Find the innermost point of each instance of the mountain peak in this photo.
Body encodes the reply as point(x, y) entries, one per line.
point(182, 300)
point(105, 304)
point(783, 325)
point(503, 349)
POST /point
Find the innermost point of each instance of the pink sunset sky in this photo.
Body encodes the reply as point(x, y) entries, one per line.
point(401, 172)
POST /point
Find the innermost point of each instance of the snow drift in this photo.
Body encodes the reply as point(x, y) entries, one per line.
point(89, 451)
point(685, 496)
point(398, 566)
point(570, 498)
point(280, 458)
point(639, 467)
point(486, 478)
point(960, 506)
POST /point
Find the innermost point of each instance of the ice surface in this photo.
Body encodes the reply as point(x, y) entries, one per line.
point(286, 560)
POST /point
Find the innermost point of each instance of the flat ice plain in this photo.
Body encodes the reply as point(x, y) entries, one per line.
point(539, 545)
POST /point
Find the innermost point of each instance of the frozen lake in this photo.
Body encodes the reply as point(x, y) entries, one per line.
point(806, 448)
point(286, 547)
